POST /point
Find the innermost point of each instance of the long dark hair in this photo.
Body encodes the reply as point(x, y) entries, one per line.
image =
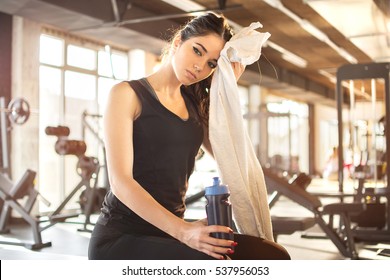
point(209, 23)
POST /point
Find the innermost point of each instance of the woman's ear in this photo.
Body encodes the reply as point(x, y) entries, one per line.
point(176, 42)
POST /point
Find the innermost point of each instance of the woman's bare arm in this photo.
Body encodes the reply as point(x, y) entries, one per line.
point(123, 108)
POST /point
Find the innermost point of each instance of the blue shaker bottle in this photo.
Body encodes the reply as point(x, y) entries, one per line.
point(219, 208)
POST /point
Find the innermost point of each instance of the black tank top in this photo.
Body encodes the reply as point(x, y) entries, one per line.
point(165, 147)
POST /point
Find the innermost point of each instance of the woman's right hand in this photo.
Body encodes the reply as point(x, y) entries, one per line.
point(197, 236)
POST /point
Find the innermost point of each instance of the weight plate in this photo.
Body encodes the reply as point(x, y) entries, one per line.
point(18, 111)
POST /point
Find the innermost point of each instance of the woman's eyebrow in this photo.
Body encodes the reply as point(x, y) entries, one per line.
point(205, 50)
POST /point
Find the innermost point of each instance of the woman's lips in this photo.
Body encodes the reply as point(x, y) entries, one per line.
point(191, 75)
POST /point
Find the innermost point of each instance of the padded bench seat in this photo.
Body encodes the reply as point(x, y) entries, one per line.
point(337, 208)
point(289, 225)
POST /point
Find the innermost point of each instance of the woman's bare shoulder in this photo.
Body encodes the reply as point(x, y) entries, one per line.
point(122, 95)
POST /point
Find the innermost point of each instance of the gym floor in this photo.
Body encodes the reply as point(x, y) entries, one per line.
point(69, 243)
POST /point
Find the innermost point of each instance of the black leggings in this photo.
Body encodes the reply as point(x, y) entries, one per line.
point(109, 244)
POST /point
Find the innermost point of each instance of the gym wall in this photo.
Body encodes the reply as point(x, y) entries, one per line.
point(5, 61)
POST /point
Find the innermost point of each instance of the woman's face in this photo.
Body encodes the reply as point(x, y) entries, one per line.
point(196, 58)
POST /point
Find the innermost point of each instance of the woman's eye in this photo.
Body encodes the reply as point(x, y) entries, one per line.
point(212, 65)
point(197, 51)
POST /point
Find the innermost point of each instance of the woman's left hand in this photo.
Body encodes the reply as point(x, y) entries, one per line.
point(238, 69)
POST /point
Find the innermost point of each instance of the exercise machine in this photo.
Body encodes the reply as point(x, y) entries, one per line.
point(376, 78)
point(17, 113)
point(323, 215)
point(91, 124)
point(11, 194)
point(87, 168)
point(283, 224)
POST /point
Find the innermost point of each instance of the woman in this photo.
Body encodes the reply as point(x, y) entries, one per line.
point(154, 128)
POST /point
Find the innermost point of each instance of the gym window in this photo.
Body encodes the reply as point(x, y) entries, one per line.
point(76, 75)
point(287, 134)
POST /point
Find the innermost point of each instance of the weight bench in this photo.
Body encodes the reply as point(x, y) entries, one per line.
point(289, 225)
point(10, 193)
point(342, 236)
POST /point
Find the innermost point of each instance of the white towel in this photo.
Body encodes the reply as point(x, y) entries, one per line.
point(237, 163)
